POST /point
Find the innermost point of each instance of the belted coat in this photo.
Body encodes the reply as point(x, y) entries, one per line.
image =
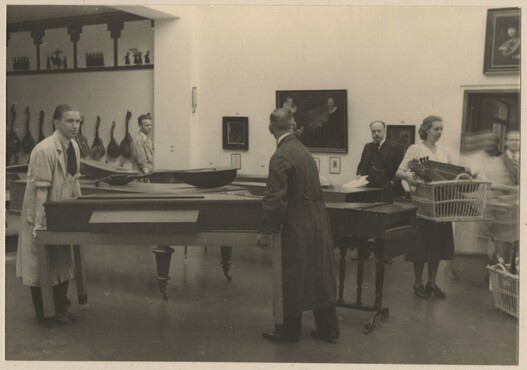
point(293, 204)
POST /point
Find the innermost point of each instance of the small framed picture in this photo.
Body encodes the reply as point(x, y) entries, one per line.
point(502, 41)
point(334, 165)
point(236, 160)
point(236, 133)
point(317, 161)
point(402, 134)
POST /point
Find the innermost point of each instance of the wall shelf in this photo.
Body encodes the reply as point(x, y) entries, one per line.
point(81, 70)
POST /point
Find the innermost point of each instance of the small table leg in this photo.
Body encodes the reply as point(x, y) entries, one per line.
point(80, 274)
point(226, 261)
point(362, 253)
point(343, 247)
point(383, 312)
point(45, 281)
point(163, 255)
point(278, 292)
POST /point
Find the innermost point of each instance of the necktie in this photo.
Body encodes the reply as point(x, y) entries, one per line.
point(72, 161)
point(376, 145)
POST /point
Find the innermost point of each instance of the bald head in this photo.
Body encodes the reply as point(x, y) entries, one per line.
point(280, 120)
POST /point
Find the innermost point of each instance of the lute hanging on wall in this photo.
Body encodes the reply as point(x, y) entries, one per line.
point(82, 141)
point(126, 144)
point(41, 135)
point(28, 143)
point(113, 147)
point(97, 148)
point(12, 141)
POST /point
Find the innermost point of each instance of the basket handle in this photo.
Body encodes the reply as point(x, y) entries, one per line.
point(463, 176)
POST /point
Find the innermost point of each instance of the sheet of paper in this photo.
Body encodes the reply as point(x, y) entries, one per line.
point(356, 183)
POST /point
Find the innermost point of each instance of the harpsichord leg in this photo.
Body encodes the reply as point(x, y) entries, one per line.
point(379, 310)
point(45, 281)
point(226, 261)
point(163, 255)
point(343, 247)
point(363, 253)
point(80, 275)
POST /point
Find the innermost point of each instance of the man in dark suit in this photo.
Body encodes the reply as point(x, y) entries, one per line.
point(293, 204)
point(380, 160)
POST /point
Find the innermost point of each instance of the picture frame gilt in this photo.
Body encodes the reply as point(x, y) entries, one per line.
point(404, 135)
point(320, 116)
point(235, 133)
point(502, 41)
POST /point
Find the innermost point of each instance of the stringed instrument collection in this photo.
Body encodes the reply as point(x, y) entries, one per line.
point(97, 151)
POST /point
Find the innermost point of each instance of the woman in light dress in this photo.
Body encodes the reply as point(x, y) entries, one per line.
point(434, 241)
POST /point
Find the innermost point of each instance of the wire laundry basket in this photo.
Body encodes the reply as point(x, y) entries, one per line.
point(505, 288)
point(454, 200)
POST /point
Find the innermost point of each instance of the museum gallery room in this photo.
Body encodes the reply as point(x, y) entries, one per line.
point(305, 185)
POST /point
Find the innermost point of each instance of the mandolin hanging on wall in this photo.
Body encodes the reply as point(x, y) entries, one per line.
point(12, 141)
point(41, 135)
point(113, 147)
point(82, 141)
point(126, 144)
point(97, 149)
point(28, 143)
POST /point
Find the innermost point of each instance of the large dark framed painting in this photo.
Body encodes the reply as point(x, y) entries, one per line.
point(236, 133)
point(321, 118)
point(502, 41)
point(402, 134)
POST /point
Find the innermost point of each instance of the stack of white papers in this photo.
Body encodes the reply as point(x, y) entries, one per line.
point(357, 183)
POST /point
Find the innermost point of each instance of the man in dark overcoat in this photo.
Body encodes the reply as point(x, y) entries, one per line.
point(293, 204)
point(380, 160)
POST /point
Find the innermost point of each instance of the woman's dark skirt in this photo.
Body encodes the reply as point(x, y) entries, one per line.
point(434, 241)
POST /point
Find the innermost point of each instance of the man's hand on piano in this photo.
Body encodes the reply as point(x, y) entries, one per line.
point(37, 227)
point(264, 241)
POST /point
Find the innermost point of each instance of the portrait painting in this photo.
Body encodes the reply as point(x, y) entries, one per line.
point(236, 133)
point(320, 117)
point(502, 41)
point(402, 134)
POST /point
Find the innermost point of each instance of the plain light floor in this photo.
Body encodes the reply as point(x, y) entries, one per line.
point(208, 319)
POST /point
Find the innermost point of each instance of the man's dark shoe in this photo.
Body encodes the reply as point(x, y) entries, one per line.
point(44, 321)
point(274, 337)
point(60, 319)
point(324, 338)
point(69, 315)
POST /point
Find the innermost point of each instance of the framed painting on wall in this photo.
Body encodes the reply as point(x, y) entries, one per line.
point(402, 134)
point(334, 165)
point(502, 41)
point(320, 116)
point(236, 161)
point(236, 133)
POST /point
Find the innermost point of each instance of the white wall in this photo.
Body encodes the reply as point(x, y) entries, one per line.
point(397, 64)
